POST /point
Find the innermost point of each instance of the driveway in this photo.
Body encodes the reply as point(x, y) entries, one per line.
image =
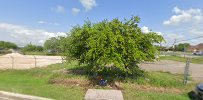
point(196, 70)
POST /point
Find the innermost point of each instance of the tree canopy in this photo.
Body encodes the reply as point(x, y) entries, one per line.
point(114, 44)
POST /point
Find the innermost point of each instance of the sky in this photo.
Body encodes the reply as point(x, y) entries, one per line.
point(35, 21)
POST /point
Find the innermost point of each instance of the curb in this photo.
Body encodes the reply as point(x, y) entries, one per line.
point(21, 96)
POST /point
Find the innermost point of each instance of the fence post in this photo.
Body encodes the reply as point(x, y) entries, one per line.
point(35, 61)
point(186, 72)
point(62, 61)
point(12, 59)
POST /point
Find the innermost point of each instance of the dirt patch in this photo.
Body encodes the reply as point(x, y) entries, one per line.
point(72, 82)
point(86, 84)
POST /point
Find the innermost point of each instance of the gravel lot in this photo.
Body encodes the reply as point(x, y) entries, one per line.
point(18, 61)
point(196, 70)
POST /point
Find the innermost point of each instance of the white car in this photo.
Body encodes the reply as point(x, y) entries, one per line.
point(198, 53)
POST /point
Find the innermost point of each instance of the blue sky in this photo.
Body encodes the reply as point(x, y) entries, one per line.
point(24, 21)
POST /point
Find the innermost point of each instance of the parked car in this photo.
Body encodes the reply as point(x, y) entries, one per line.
point(198, 53)
point(199, 91)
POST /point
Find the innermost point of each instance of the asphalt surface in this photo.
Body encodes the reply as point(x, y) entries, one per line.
point(195, 70)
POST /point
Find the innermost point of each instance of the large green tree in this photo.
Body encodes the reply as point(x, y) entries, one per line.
point(116, 45)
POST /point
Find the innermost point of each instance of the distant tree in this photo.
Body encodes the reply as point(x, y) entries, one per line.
point(39, 48)
point(7, 45)
point(31, 47)
point(181, 46)
point(160, 48)
point(54, 44)
point(117, 45)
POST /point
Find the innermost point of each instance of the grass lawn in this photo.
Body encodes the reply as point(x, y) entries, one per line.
point(52, 82)
point(197, 60)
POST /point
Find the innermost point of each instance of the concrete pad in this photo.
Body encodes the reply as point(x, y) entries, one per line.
point(97, 94)
point(15, 96)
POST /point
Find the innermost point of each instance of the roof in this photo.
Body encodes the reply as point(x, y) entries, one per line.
point(199, 46)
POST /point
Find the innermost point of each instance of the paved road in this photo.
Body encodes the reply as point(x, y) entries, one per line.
point(196, 70)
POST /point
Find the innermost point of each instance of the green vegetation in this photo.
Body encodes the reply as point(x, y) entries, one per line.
point(32, 48)
point(7, 45)
point(112, 47)
point(54, 45)
point(182, 46)
point(72, 82)
point(131, 94)
point(36, 82)
point(197, 60)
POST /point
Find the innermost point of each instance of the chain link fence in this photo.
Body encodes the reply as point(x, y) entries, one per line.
point(178, 63)
point(27, 62)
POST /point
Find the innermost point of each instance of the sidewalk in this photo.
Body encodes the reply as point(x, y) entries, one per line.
point(15, 96)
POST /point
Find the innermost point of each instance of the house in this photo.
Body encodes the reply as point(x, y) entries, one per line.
point(196, 48)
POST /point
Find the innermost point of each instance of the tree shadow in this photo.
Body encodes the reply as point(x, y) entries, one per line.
point(81, 70)
point(103, 78)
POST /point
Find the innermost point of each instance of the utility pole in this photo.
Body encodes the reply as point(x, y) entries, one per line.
point(184, 50)
point(174, 46)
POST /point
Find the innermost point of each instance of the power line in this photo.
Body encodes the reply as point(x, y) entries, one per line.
point(190, 39)
point(186, 40)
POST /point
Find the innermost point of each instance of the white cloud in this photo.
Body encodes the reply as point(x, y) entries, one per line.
point(172, 37)
point(185, 16)
point(75, 11)
point(145, 29)
point(49, 23)
point(187, 23)
point(24, 35)
point(59, 9)
point(88, 4)
point(58, 34)
point(160, 33)
point(41, 22)
point(169, 37)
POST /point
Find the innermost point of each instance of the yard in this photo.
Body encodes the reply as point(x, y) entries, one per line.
point(62, 81)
